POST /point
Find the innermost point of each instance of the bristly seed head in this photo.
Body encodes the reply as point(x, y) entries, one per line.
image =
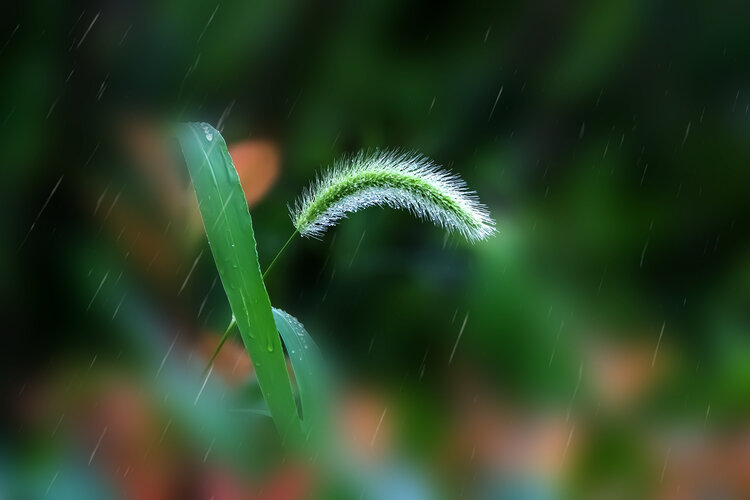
point(396, 179)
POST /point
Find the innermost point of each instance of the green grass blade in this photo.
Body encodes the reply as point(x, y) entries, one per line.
point(229, 229)
point(309, 372)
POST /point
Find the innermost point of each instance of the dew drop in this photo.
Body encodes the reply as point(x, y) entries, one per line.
point(209, 134)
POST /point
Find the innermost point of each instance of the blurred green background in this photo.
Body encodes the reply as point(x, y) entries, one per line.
point(597, 347)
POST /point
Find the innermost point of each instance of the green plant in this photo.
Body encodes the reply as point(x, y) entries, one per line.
point(383, 178)
point(399, 180)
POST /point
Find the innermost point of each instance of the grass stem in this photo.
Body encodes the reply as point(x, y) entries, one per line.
point(224, 338)
point(278, 254)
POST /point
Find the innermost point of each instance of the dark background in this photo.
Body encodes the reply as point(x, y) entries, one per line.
point(606, 347)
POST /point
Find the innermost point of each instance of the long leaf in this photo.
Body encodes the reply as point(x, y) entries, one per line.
point(313, 383)
point(230, 234)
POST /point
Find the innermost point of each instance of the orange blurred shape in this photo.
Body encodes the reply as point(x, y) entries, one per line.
point(257, 163)
point(123, 430)
point(704, 464)
point(366, 425)
point(505, 437)
point(220, 484)
point(147, 145)
point(623, 372)
point(232, 363)
point(292, 482)
point(289, 482)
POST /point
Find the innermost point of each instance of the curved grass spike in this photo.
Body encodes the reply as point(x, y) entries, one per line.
point(396, 179)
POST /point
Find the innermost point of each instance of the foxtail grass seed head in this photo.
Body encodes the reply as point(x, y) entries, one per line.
point(395, 179)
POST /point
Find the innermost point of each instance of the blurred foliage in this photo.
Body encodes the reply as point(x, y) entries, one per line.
point(609, 140)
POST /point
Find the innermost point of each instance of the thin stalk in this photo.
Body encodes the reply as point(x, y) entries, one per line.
point(221, 344)
point(228, 331)
point(278, 254)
